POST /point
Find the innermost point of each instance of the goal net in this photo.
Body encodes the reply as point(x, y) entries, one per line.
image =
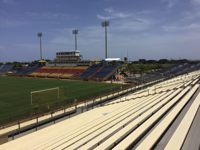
point(46, 96)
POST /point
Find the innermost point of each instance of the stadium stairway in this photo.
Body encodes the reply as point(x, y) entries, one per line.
point(91, 71)
point(106, 72)
point(109, 75)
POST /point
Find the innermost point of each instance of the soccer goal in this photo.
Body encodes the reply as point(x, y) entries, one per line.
point(45, 96)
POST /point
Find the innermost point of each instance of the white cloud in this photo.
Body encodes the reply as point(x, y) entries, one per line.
point(109, 10)
point(196, 2)
point(132, 25)
point(60, 40)
point(110, 14)
point(170, 3)
point(194, 26)
point(145, 12)
point(172, 28)
point(8, 1)
point(181, 27)
point(2, 47)
point(103, 17)
point(48, 15)
point(190, 16)
point(7, 23)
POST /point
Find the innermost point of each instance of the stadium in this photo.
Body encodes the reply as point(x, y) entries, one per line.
point(146, 116)
point(75, 102)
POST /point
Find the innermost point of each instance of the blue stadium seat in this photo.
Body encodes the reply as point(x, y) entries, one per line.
point(27, 70)
point(105, 71)
point(6, 68)
point(91, 70)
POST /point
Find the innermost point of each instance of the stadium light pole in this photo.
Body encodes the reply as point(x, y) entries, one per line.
point(75, 32)
point(40, 36)
point(105, 24)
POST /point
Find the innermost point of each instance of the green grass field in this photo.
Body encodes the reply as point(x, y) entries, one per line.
point(15, 94)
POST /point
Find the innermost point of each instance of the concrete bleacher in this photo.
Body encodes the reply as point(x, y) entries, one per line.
point(137, 120)
point(152, 138)
point(172, 71)
point(134, 136)
point(180, 134)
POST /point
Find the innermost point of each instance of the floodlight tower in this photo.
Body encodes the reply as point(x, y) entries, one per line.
point(40, 36)
point(105, 24)
point(75, 32)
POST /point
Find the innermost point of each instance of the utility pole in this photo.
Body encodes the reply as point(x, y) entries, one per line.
point(105, 24)
point(40, 36)
point(75, 32)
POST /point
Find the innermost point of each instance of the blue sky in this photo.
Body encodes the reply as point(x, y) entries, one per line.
point(150, 29)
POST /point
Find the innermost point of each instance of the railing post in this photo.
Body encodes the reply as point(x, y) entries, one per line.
point(36, 123)
point(19, 128)
point(75, 103)
point(93, 103)
point(13, 137)
point(86, 105)
point(52, 117)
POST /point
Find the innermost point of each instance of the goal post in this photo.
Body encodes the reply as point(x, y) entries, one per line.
point(45, 95)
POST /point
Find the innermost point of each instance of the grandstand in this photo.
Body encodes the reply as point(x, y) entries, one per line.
point(59, 72)
point(106, 72)
point(24, 71)
point(5, 68)
point(158, 117)
point(180, 69)
point(100, 72)
point(91, 71)
point(172, 71)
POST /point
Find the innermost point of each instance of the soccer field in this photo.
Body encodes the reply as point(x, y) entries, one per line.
point(15, 94)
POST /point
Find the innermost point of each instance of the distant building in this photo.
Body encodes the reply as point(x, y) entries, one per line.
point(112, 59)
point(68, 57)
